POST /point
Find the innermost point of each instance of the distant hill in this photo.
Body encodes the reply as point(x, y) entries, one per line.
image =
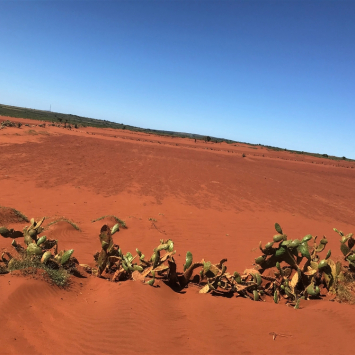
point(23, 112)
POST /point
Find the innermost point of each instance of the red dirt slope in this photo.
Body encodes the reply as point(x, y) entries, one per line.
point(208, 199)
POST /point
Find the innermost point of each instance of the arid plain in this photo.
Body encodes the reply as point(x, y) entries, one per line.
point(208, 199)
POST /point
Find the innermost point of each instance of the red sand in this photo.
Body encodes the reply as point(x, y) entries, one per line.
point(208, 199)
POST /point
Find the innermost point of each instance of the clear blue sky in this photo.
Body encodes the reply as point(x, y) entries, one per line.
point(280, 73)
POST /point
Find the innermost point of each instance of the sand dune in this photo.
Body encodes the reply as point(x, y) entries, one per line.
point(208, 199)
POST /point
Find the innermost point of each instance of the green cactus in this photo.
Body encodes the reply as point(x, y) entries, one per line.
point(141, 256)
point(237, 278)
point(288, 292)
point(280, 252)
point(323, 264)
point(128, 257)
point(344, 249)
point(257, 278)
point(256, 295)
point(163, 247)
point(151, 282)
point(304, 250)
point(278, 228)
point(137, 268)
point(294, 244)
point(313, 290)
point(45, 257)
point(297, 306)
point(41, 240)
point(27, 239)
point(321, 245)
point(278, 267)
point(260, 260)
point(278, 238)
point(269, 245)
point(104, 245)
point(335, 230)
point(286, 243)
point(155, 258)
point(115, 228)
point(171, 245)
point(33, 249)
point(66, 256)
point(306, 238)
point(125, 267)
point(276, 297)
point(32, 233)
point(188, 260)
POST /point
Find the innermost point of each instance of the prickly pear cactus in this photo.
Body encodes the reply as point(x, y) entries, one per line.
point(347, 243)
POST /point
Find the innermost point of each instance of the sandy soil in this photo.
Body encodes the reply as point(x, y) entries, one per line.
point(209, 199)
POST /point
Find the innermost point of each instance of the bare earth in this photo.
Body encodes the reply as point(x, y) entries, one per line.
point(204, 196)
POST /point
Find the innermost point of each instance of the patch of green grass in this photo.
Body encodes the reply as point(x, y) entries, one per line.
point(119, 221)
point(30, 266)
point(73, 224)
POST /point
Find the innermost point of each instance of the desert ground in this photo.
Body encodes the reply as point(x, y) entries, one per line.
point(208, 199)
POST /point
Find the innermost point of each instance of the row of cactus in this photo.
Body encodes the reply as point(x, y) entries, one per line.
point(38, 247)
point(111, 261)
point(288, 270)
point(347, 244)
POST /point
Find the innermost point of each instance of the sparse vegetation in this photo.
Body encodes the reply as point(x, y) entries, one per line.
point(22, 112)
point(73, 224)
point(288, 270)
point(40, 254)
point(30, 265)
point(346, 289)
point(19, 214)
point(119, 221)
point(292, 279)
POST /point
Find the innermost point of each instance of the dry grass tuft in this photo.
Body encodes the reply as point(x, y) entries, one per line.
point(119, 221)
point(73, 224)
